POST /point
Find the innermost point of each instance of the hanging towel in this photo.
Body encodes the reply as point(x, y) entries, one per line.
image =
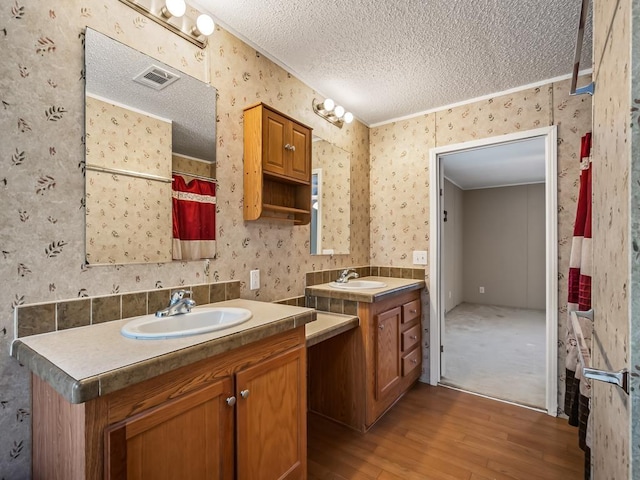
point(578, 389)
point(194, 219)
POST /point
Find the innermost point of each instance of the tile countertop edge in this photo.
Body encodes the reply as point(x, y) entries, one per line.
point(73, 390)
point(329, 325)
point(323, 290)
point(80, 391)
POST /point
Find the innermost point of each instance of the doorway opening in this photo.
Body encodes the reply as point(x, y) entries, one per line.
point(493, 267)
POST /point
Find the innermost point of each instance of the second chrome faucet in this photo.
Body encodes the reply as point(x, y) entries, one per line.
point(346, 275)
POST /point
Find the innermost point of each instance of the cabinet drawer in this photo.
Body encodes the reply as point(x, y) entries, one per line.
point(410, 362)
point(411, 311)
point(410, 338)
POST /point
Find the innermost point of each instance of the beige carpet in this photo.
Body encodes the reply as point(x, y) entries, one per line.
point(496, 351)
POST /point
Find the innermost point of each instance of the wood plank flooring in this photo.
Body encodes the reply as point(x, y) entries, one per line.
point(443, 434)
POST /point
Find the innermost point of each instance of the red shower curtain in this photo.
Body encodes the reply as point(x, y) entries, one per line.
point(194, 219)
point(578, 389)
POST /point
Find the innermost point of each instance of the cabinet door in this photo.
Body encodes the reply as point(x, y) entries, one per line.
point(300, 165)
point(274, 155)
point(271, 419)
point(387, 350)
point(188, 437)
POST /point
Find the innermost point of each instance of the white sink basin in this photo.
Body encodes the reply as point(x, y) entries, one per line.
point(199, 320)
point(358, 285)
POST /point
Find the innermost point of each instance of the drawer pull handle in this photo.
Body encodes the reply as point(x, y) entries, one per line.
point(413, 337)
point(244, 393)
point(231, 401)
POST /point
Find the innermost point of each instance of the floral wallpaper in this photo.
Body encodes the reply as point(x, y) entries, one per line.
point(336, 177)
point(400, 172)
point(42, 181)
point(117, 137)
point(614, 140)
point(192, 165)
point(128, 218)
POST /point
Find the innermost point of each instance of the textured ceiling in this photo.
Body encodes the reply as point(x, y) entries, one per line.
point(387, 59)
point(512, 163)
point(189, 103)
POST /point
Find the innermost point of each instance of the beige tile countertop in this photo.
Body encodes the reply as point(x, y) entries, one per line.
point(87, 362)
point(370, 295)
point(329, 325)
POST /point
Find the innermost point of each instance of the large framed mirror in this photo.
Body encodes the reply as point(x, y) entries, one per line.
point(330, 199)
point(143, 121)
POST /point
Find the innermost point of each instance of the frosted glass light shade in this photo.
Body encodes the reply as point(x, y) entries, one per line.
point(205, 25)
point(339, 111)
point(348, 117)
point(328, 105)
point(176, 8)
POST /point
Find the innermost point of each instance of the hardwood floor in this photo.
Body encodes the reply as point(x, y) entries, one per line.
point(438, 433)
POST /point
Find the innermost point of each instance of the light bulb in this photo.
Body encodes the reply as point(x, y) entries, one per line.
point(204, 25)
point(328, 105)
point(174, 8)
point(339, 111)
point(348, 117)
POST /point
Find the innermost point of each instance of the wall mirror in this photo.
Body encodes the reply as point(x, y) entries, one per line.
point(330, 199)
point(142, 117)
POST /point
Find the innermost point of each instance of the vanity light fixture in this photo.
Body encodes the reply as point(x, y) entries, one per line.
point(173, 8)
point(331, 112)
point(173, 16)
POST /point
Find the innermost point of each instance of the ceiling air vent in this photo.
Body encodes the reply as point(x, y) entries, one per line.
point(156, 77)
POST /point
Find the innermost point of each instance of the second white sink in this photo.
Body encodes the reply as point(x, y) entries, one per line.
point(358, 285)
point(199, 320)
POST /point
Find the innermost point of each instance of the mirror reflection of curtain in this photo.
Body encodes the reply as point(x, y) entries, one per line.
point(194, 219)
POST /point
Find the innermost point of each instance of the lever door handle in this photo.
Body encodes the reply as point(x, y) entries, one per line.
point(619, 378)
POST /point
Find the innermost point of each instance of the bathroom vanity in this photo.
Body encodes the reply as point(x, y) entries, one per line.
point(234, 401)
point(354, 378)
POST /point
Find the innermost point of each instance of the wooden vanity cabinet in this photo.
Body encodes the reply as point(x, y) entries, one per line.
point(239, 415)
point(392, 367)
point(188, 437)
point(277, 166)
point(356, 377)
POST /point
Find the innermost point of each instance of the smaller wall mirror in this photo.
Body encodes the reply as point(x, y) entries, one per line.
point(330, 199)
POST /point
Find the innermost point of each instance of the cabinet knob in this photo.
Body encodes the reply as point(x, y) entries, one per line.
point(381, 327)
point(287, 147)
point(413, 337)
point(231, 401)
point(244, 393)
point(293, 148)
point(414, 311)
point(414, 361)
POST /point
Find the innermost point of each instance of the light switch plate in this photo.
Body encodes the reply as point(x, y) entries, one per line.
point(254, 279)
point(419, 257)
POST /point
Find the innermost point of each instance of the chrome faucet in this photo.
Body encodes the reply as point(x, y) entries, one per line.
point(346, 275)
point(178, 304)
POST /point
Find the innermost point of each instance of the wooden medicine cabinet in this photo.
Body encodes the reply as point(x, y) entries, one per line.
point(277, 166)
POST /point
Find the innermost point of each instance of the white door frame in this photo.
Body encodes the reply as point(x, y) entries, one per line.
point(551, 252)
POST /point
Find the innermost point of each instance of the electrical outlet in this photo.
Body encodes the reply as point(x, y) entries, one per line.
point(419, 257)
point(481, 289)
point(254, 279)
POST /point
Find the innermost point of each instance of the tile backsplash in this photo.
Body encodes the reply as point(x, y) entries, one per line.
point(50, 317)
